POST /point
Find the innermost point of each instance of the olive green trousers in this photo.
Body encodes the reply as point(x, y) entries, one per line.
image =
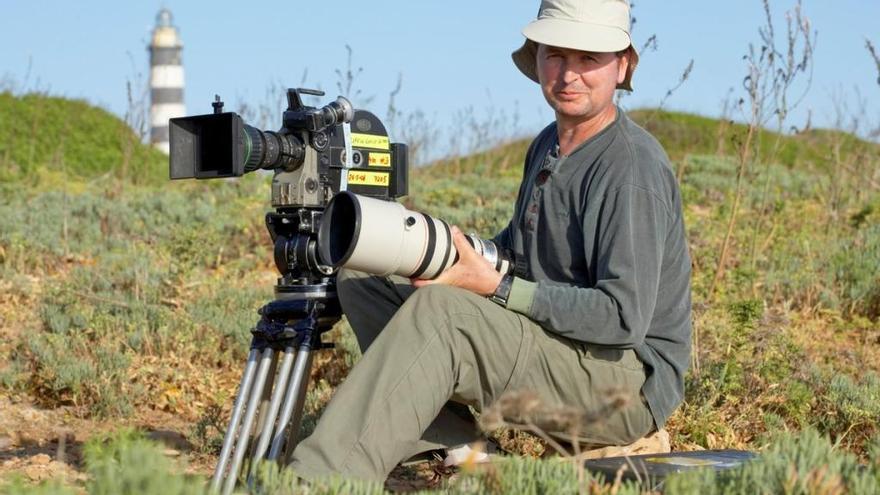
point(432, 351)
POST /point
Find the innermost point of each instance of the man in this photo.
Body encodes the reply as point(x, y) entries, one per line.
point(600, 299)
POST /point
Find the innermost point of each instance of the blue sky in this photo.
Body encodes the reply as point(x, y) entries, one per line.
point(452, 55)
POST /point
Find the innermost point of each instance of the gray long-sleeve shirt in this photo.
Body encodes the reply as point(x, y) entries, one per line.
point(600, 243)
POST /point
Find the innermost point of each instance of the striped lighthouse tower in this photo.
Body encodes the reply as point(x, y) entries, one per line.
point(166, 79)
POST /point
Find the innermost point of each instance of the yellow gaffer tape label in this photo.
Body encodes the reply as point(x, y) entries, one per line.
point(368, 178)
point(380, 159)
point(370, 141)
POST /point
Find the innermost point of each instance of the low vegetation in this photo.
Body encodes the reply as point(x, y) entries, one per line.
point(122, 294)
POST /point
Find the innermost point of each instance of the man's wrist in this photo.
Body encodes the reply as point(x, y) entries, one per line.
point(502, 292)
point(522, 294)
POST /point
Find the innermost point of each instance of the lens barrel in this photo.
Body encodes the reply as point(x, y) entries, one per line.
point(270, 150)
point(501, 260)
point(383, 237)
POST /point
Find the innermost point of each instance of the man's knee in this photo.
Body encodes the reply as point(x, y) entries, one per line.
point(440, 300)
point(424, 312)
point(347, 276)
point(451, 310)
point(352, 283)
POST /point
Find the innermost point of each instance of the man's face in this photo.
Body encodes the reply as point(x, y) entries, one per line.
point(579, 85)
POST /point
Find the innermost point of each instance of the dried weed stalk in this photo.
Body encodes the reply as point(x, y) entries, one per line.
point(875, 56)
point(682, 78)
point(554, 424)
point(136, 116)
point(346, 78)
point(652, 45)
point(772, 72)
point(875, 133)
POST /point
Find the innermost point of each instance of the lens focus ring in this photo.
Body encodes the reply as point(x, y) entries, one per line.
point(254, 146)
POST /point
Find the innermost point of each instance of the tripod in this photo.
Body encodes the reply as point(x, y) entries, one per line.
point(268, 408)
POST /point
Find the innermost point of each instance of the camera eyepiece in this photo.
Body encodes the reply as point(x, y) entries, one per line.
point(338, 112)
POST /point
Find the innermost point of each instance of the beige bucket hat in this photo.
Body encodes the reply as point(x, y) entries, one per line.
point(588, 25)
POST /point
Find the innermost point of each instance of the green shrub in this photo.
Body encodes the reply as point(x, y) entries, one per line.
point(190, 226)
point(473, 202)
point(170, 274)
point(73, 370)
point(126, 463)
point(17, 486)
point(745, 314)
point(229, 313)
point(851, 408)
point(798, 464)
point(805, 463)
point(207, 433)
point(854, 266)
point(798, 403)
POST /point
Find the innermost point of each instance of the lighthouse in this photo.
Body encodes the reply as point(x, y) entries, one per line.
point(166, 79)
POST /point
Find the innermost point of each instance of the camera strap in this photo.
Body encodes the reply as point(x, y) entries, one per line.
point(347, 165)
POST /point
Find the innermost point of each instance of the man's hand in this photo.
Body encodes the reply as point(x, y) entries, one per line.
point(471, 272)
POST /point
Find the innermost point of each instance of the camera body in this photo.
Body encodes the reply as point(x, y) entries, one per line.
point(316, 153)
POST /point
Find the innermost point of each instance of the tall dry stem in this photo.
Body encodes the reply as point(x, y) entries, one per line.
point(682, 78)
point(875, 133)
point(392, 113)
point(137, 113)
point(796, 60)
point(875, 56)
point(650, 45)
point(724, 122)
point(346, 79)
point(770, 77)
point(554, 424)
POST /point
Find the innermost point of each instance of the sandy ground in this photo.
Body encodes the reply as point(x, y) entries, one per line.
point(39, 444)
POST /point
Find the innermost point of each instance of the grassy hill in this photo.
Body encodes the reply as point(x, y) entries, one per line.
point(133, 309)
point(56, 136)
point(683, 134)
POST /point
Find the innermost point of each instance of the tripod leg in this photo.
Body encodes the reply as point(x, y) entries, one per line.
point(262, 409)
point(240, 399)
point(296, 389)
point(272, 411)
point(250, 413)
point(296, 422)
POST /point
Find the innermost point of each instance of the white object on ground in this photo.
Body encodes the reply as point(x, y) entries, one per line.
point(464, 454)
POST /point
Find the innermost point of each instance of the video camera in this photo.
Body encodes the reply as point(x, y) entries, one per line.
point(316, 153)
